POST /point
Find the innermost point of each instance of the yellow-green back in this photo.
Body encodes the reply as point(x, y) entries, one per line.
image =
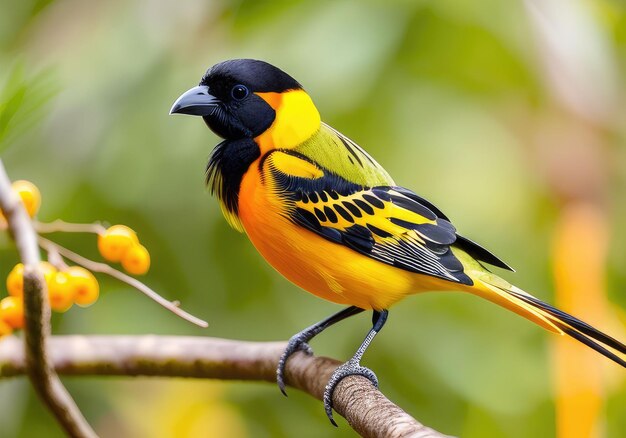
point(340, 155)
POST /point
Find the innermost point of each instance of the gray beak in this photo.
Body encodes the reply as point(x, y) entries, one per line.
point(195, 102)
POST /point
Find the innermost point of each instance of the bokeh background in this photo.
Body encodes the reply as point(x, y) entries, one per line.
point(509, 115)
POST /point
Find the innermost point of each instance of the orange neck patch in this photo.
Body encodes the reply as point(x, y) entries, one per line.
point(297, 119)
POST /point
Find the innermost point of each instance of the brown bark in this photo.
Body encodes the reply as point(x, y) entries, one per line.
point(365, 408)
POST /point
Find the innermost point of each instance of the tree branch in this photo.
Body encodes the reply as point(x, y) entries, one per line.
point(365, 408)
point(37, 317)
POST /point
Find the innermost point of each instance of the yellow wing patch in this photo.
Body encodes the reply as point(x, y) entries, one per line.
point(349, 210)
point(294, 165)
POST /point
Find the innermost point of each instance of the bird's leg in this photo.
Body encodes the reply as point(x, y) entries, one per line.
point(299, 340)
point(353, 366)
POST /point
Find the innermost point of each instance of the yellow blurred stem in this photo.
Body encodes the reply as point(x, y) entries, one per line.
point(580, 248)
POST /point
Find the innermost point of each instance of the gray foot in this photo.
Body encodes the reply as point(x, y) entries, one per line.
point(350, 368)
point(297, 342)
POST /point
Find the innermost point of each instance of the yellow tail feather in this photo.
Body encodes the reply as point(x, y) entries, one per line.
point(497, 291)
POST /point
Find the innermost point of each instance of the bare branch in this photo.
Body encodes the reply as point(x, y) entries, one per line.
point(37, 315)
point(103, 268)
point(68, 227)
point(365, 408)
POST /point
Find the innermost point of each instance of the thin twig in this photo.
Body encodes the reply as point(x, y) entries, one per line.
point(37, 317)
point(103, 268)
point(365, 408)
point(68, 227)
point(55, 259)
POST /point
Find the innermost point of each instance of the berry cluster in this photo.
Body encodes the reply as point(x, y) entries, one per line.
point(67, 285)
point(120, 244)
point(72, 285)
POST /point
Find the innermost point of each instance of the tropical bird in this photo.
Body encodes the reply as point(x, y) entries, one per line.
point(330, 219)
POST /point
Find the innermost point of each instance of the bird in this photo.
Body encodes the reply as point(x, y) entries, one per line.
point(328, 217)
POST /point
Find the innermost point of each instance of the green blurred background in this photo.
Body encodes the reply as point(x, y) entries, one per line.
point(454, 98)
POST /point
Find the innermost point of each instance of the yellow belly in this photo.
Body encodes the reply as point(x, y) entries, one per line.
point(326, 269)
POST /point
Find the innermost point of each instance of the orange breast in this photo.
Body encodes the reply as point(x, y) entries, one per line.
point(324, 268)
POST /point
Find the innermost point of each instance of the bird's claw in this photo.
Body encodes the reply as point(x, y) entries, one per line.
point(296, 343)
point(350, 368)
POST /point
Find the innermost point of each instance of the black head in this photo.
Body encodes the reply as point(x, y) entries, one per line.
point(227, 98)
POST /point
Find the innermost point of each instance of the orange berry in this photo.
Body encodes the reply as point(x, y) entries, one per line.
point(15, 281)
point(12, 311)
point(5, 329)
point(85, 285)
point(60, 292)
point(115, 241)
point(48, 270)
point(30, 195)
point(136, 261)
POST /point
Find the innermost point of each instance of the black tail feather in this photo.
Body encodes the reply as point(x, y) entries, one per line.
point(579, 330)
point(591, 344)
point(586, 329)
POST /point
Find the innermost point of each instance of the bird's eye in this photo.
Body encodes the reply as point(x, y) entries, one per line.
point(239, 92)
